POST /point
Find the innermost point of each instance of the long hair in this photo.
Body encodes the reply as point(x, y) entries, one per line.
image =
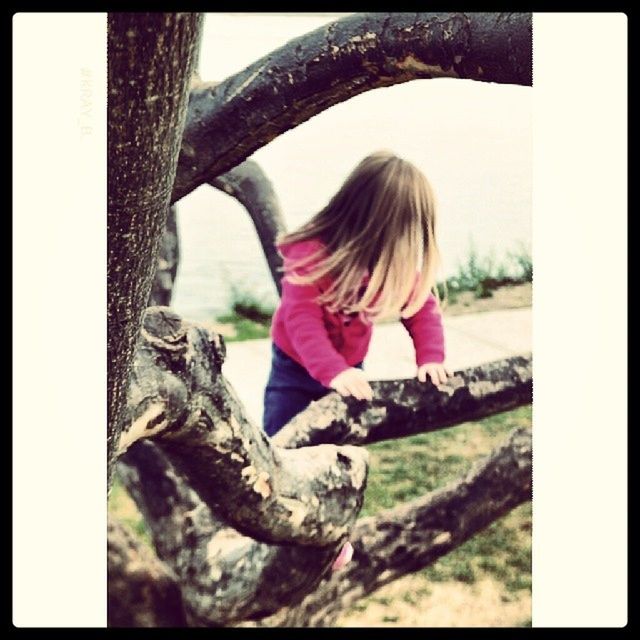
point(380, 223)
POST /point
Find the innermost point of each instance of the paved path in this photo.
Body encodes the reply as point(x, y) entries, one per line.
point(470, 340)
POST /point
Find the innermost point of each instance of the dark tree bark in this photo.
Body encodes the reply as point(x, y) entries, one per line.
point(230, 120)
point(412, 536)
point(224, 576)
point(178, 396)
point(167, 267)
point(227, 578)
point(141, 590)
point(177, 393)
point(251, 187)
point(150, 60)
point(403, 407)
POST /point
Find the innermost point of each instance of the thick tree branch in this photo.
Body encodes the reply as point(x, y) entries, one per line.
point(227, 577)
point(251, 187)
point(142, 591)
point(404, 407)
point(179, 397)
point(412, 536)
point(224, 575)
point(230, 120)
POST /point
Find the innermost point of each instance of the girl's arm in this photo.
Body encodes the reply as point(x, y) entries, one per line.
point(304, 322)
point(426, 331)
point(308, 334)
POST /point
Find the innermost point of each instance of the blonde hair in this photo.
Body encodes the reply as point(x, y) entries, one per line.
point(382, 221)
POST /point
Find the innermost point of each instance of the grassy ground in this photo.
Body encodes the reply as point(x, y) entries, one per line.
point(486, 581)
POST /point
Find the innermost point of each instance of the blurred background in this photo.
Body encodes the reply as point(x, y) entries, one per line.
point(471, 139)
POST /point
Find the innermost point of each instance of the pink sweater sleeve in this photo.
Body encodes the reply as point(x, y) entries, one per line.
point(304, 322)
point(425, 329)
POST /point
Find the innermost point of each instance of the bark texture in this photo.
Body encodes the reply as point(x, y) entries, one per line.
point(150, 58)
point(251, 187)
point(178, 396)
point(228, 121)
point(224, 576)
point(412, 536)
point(234, 563)
point(167, 267)
point(227, 578)
point(141, 590)
point(403, 407)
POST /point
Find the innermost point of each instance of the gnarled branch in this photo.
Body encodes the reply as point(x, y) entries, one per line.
point(248, 184)
point(178, 396)
point(414, 535)
point(224, 575)
point(227, 578)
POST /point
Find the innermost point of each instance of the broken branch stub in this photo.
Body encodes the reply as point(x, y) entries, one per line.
point(179, 397)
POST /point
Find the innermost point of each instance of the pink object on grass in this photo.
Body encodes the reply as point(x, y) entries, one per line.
point(344, 557)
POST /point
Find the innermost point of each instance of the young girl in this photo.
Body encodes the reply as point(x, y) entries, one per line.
point(371, 253)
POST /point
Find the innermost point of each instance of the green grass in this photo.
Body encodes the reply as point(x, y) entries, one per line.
point(401, 470)
point(244, 328)
point(123, 508)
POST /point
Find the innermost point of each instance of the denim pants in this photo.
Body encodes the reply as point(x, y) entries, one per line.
point(289, 390)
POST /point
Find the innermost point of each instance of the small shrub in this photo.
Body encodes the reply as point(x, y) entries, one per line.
point(246, 305)
point(522, 259)
point(483, 275)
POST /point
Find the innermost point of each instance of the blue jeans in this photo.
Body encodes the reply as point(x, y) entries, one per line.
point(290, 389)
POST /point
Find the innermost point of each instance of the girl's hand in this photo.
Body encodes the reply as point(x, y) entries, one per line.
point(352, 382)
point(437, 371)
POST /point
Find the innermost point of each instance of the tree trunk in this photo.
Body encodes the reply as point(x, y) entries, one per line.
point(168, 259)
point(230, 120)
point(150, 60)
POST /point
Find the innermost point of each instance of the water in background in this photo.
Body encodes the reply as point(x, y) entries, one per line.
point(472, 140)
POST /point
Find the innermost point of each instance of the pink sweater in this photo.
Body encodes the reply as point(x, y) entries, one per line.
point(325, 343)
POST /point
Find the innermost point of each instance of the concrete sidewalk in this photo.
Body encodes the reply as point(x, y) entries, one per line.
point(470, 340)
